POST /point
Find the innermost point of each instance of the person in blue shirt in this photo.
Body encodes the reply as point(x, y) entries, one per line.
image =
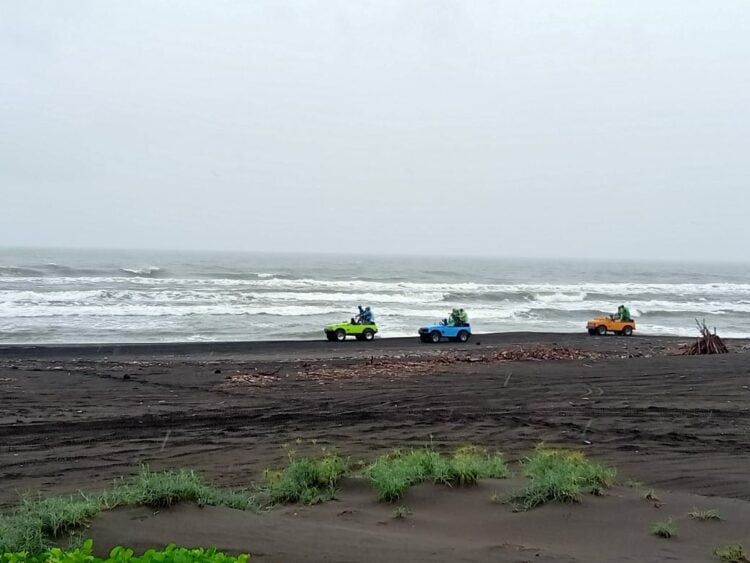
point(365, 315)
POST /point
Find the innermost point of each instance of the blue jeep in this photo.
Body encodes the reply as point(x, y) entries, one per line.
point(441, 331)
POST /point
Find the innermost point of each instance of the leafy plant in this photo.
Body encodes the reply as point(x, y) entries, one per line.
point(664, 529)
point(557, 475)
point(83, 554)
point(733, 553)
point(706, 515)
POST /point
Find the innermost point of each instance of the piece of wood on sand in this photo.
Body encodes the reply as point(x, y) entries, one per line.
point(708, 343)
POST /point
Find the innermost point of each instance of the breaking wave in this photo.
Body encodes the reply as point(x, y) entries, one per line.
point(151, 271)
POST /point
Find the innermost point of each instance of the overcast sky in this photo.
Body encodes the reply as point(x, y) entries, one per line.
point(517, 128)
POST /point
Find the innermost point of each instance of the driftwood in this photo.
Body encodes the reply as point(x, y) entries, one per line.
point(544, 354)
point(708, 343)
point(399, 366)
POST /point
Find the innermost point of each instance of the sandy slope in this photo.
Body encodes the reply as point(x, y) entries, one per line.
point(445, 525)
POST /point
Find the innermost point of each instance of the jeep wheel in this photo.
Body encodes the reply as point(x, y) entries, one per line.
point(330, 337)
point(627, 331)
point(434, 337)
point(368, 334)
point(463, 336)
point(592, 331)
point(340, 335)
point(601, 330)
point(424, 338)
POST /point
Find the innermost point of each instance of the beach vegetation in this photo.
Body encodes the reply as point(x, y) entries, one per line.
point(665, 529)
point(706, 515)
point(557, 475)
point(306, 480)
point(391, 475)
point(83, 554)
point(733, 553)
point(163, 489)
point(35, 523)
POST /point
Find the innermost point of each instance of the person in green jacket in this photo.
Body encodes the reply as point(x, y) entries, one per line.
point(454, 318)
point(463, 317)
point(623, 314)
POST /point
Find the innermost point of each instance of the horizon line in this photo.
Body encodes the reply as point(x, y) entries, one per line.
point(378, 254)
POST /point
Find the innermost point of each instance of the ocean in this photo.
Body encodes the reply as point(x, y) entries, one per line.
point(95, 296)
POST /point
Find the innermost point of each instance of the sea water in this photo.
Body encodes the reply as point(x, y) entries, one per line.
point(79, 296)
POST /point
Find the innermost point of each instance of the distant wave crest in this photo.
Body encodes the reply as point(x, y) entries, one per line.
point(149, 272)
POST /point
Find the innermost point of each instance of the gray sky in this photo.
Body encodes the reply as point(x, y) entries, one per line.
point(522, 128)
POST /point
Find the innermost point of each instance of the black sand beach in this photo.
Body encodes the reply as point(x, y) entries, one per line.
point(76, 417)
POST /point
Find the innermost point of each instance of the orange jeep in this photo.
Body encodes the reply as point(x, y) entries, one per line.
point(604, 325)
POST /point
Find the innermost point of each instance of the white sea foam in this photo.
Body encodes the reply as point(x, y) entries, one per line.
point(151, 270)
point(155, 303)
point(541, 291)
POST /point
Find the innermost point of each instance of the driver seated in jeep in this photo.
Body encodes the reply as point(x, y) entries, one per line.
point(623, 314)
point(364, 317)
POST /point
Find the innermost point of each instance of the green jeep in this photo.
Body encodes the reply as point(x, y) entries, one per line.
point(361, 331)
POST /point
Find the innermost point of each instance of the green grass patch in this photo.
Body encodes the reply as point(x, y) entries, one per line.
point(393, 474)
point(31, 525)
point(306, 480)
point(733, 553)
point(664, 529)
point(706, 515)
point(165, 488)
point(170, 554)
point(557, 475)
point(35, 522)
